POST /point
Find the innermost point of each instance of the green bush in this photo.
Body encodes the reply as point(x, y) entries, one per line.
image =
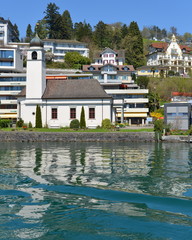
point(19, 123)
point(30, 125)
point(158, 125)
point(74, 124)
point(106, 123)
point(4, 123)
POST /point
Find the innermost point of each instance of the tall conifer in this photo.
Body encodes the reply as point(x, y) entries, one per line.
point(38, 120)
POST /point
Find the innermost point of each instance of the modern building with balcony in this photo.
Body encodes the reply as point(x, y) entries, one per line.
point(129, 103)
point(11, 59)
point(7, 32)
point(60, 47)
point(177, 58)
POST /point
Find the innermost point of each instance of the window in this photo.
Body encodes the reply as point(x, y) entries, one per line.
point(54, 113)
point(111, 55)
point(34, 55)
point(6, 53)
point(72, 113)
point(91, 113)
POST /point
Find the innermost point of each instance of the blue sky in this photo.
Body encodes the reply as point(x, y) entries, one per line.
point(163, 13)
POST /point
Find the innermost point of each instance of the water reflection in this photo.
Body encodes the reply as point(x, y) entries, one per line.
point(77, 187)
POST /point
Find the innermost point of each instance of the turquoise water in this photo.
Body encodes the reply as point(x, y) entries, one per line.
point(95, 191)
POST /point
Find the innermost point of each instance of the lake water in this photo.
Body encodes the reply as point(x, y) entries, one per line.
point(83, 191)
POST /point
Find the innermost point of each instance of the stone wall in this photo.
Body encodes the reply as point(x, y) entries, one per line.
point(22, 136)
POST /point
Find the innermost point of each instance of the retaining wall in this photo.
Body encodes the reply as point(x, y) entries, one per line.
point(22, 136)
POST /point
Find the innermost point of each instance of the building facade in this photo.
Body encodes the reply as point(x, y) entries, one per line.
point(109, 56)
point(60, 47)
point(60, 100)
point(129, 101)
point(7, 32)
point(178, 115)
point(177, 58)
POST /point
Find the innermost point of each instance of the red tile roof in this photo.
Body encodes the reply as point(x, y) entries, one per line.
point(164, 46)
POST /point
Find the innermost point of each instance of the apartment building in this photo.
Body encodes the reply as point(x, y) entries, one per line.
point(7, 32)
point(60, 47)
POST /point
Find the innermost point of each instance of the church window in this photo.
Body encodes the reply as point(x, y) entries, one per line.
point(72, 113)
point(91, 113)
point(54, 113)
point(34, 55)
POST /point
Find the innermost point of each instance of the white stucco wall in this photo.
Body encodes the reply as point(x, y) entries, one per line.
point(28, 108)
point(36, 74)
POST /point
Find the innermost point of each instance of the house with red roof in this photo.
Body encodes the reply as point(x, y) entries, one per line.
point(175, 57)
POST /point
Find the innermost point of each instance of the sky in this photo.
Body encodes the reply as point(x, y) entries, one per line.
point(162, 13)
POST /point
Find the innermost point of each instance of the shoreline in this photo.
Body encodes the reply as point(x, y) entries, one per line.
point(25, 136)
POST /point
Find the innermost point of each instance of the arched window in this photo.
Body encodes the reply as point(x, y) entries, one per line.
point(34, 55)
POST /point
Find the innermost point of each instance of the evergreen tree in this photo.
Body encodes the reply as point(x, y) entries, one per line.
point(124, 30)
point(15, 33)
point(53, 21)
point(67, 25)
point(38, 120)
point(133, 44)
point(29, 33)
point(41, 29)
point(101, 35)
point(82, 118)
point(83, 31)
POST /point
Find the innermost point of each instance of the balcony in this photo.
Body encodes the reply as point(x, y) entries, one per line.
point(8, 101)
point(136, 100)
point(5, 111)
point(126, 91)
point(109, 72)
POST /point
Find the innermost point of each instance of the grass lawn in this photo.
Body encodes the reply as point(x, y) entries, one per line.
point(80, 130)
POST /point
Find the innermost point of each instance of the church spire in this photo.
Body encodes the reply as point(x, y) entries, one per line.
point(173, 39)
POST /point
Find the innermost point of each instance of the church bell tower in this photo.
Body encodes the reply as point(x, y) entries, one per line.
point(36, 71)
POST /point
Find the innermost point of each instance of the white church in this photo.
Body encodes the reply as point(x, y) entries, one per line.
point(60, 101)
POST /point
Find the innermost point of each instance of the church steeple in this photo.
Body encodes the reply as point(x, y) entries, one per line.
point(36, 72)
point(173, 39)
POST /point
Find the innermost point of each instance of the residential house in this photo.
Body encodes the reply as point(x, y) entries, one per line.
point(129, 101)
point(110, 56)
point(176, 57)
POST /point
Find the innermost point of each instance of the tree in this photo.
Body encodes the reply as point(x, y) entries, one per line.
point(173, 30)
point(41, 29)
point(133, 44)
point(53, 21)
point(75, 60)
point(153, 101)
point(142, 81)
point(124, 30)
point(83, 32)
point(15, 33)
point(82, 118)
point(38, 120)
point(101, 35)
point(29, 33)
point(66, 25)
